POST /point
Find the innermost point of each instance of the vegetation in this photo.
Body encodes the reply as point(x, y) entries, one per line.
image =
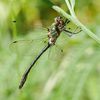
point(74, 75)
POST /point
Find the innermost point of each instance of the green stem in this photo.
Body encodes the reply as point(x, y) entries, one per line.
point(77, 22)
point(69, 6)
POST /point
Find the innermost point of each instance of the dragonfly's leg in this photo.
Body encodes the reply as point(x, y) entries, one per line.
point(69, 33)
point(77, 31)
point(67, 21)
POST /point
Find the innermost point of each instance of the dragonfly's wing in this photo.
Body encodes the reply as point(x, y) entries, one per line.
point(71, 33)
point(39, 32)
point(35, 38)
point(55, 53)
point(28, 47)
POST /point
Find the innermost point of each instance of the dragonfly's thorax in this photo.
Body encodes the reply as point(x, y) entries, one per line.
point(55, 30)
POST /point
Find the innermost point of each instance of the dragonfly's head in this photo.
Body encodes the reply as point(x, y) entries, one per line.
point(58, 19)
point(59, 22)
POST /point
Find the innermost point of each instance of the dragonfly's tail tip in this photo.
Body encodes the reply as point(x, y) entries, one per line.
point(20, 86)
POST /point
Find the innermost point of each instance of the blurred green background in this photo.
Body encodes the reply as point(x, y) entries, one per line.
point(73, 76)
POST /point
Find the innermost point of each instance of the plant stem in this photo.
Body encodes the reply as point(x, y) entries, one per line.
point(74, 19)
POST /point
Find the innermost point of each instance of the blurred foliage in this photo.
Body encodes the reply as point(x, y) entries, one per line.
point(73, 76)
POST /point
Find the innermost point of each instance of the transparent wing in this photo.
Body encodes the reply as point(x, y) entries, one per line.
point(55, 53)
point(39, 32)
point(27, 47)
point(30, 46)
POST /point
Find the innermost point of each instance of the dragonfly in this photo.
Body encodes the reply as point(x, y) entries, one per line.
point(53, 33)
